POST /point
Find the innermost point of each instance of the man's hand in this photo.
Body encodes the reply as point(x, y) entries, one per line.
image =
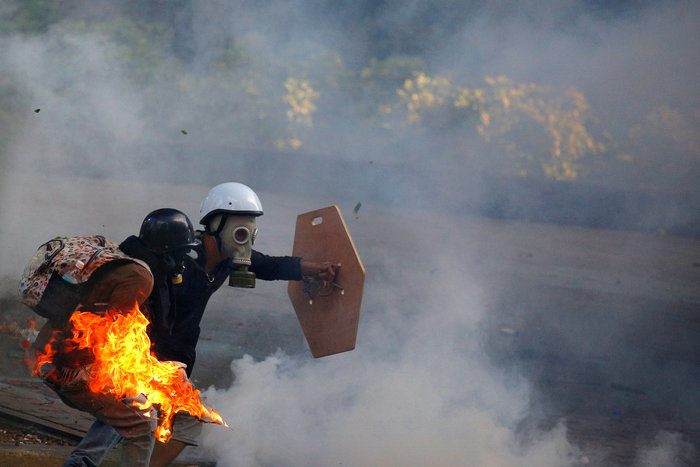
point(181, 367)
point(323, 271)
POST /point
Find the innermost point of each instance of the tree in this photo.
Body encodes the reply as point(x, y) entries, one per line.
point(27, 16)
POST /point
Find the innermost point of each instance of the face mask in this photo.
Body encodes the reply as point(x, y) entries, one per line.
point(237, 237)
point(174, 263)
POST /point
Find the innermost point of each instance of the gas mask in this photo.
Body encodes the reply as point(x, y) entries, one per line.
point(174, 263)
point(237, 237)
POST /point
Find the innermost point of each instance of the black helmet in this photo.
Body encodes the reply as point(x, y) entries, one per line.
point(166, 230)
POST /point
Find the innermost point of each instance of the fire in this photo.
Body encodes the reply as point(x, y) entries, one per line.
point(124, 366)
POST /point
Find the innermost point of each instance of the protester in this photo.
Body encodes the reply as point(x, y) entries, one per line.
point(228, 214)
point(166, 235)
point(76, 274)
point(222, 251)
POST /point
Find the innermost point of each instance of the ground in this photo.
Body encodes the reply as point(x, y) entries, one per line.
point(605, 325)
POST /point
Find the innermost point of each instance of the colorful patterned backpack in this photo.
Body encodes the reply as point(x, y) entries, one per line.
point(53, 280)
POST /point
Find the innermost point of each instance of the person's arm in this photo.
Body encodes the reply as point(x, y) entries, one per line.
point(272, 268)
point(290, 268)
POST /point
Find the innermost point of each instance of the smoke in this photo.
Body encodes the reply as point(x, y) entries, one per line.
point(625, 59)
point(93, 106)
point(665, 449)
point(104, 139)
point(85, 113)
point(415, 391)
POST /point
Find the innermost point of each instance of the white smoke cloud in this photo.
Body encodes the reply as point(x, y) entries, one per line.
point(667, 449)
point(372, 412)
point(416, 391)
point(85, 109)
point(625, 60)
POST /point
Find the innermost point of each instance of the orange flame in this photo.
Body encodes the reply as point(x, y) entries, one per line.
point(124, 366)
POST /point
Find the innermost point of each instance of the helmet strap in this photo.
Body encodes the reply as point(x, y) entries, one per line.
point(219, 228)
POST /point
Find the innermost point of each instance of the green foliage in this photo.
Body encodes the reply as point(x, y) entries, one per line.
point(374, 87)
point(662, 148)
point(143, 47)
point(543, 130)
point(27, 16)
point(391, 71)
point(298, 95)
point(528, 119)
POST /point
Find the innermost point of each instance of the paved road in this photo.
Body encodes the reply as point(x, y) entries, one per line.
point(605, 326)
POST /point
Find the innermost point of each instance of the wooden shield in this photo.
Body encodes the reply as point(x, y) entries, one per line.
point(328, 315)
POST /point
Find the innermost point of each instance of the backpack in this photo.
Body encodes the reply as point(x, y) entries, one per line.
point(55, 277)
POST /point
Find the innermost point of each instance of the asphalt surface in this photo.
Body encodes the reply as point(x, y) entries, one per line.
point(604, 325)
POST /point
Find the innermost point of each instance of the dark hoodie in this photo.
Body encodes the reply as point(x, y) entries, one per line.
point(176, 310)
point(159, 308)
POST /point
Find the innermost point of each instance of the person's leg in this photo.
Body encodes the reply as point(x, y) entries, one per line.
point(135, 425)
point(94, 447)
point(165, 453)
point(186, 432)
point(137, 450)
point(121, 286)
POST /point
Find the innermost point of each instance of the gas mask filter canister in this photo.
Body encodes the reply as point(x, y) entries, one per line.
point(237, 238)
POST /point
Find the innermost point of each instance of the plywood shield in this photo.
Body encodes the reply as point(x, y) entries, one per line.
point(329, 316)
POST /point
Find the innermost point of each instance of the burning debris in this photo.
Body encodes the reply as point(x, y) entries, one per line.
point(124, 366)
point(25, 335)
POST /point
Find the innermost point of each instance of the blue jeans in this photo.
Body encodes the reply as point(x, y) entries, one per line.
point(119, 419)
point(94, 447)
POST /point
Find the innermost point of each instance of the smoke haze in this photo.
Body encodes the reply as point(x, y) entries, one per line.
point(416, 391)
point(99, 148)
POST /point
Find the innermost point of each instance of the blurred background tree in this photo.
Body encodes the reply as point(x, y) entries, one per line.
point(315, 98)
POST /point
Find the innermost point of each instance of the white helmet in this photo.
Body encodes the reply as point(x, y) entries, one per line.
point(230, 198)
